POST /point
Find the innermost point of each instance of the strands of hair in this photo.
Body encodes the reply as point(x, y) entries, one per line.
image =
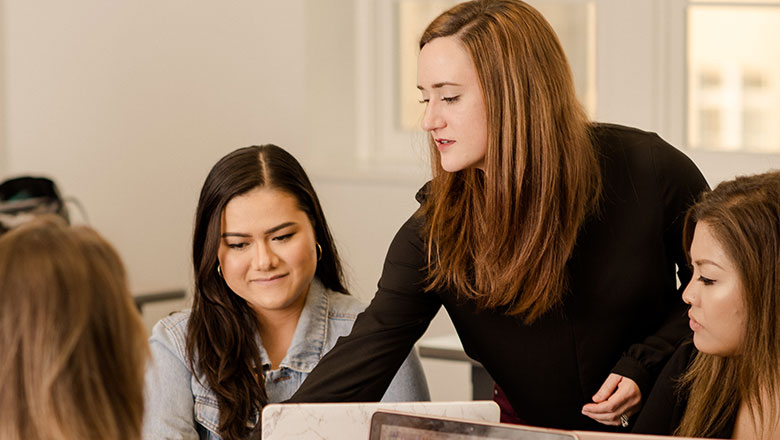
point(743, 214)
point(74, 345)
point(221, 333)
point(502, 237)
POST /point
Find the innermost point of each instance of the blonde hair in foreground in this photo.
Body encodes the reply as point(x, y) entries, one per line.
point(744, 216)
point(74, 345)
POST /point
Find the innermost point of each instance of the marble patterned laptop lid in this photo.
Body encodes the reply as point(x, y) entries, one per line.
point(302, 421)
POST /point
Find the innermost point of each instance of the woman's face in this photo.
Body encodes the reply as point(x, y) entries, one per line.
point(717, 313)
point(267, 251)
point(455, 113)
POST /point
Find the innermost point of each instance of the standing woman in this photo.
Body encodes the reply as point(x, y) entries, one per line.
point(269, 302)
point(551, 240)
point(727, 383)
point(74, 346)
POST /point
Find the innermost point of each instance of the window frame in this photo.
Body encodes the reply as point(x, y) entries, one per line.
point(641, 81)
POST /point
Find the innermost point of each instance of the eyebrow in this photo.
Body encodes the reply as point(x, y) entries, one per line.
point(705, 261)
point(266, 232)
point(440, 85)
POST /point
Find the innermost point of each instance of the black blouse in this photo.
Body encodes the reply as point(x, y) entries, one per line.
point(665, 406)
point(622, 313)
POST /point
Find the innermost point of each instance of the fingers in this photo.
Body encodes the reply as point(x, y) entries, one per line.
point(608, 412)
point(607, 388)
point(625, 400)
point(611, 418)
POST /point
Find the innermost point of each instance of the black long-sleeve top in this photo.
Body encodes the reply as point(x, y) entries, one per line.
point(622, 312)
point(666, 404)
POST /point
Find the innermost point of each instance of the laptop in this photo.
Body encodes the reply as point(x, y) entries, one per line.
point(596, 435)
point(301, 421)
point(386, 425)
point(391, 425)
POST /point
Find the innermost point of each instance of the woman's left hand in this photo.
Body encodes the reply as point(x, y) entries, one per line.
point(618, 396)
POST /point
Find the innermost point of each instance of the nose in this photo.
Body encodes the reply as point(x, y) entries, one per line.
point(432, 118)
point(264, 258)
point(689, 294)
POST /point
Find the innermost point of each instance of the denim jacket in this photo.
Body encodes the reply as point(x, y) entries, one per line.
point(179, 404)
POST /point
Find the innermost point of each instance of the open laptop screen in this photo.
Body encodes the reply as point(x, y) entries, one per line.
point(399, 426)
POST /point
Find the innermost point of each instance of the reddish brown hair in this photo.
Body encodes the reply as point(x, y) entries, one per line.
point(503, 236)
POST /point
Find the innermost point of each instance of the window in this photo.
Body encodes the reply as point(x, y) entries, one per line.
point(733, 75)
point(388, 99)
point(702, 74)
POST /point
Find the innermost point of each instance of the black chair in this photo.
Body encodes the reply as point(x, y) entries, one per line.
point(23, 198)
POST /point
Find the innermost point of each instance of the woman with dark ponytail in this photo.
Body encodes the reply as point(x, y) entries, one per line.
point(270, 301)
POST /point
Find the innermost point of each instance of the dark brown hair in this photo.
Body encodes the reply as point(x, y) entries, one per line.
point(222, 328)
point(503, 236)
point(74, 347)
point(744, 217)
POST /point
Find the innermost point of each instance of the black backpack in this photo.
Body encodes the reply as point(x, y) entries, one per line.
point(23, 198)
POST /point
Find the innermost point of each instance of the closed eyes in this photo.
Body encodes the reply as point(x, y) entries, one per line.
point(284, 237)
point(447, 99)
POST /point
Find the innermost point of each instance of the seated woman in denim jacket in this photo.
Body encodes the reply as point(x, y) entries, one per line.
point(727, 383)
point(269, 302)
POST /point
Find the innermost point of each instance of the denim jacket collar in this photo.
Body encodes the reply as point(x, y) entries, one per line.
point(307, 345)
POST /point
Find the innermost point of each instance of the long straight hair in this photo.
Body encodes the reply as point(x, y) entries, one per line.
point(744, 216)
point(222, 328)
point(503, 237)
point(74, 346)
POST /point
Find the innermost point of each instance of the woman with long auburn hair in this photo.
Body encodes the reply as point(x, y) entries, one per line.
point(727, 383)
point(270, 301)
point(74, 346)
point(551, 240)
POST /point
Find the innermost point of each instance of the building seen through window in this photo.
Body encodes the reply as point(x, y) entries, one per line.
point(733, 63)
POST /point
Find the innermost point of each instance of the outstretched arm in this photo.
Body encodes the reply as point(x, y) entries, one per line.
point(361, 366)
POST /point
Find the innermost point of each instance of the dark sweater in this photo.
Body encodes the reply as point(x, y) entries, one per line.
point(622, 312)
point(665, 406)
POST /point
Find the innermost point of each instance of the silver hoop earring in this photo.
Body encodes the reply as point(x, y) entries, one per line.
point(319, 252)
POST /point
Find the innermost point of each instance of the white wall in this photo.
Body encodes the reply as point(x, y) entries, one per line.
point(128, 104)
point(3, 138)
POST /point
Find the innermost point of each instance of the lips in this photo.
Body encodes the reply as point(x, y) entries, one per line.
point(693, 323)
point(268, 279)
point(442, 143)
